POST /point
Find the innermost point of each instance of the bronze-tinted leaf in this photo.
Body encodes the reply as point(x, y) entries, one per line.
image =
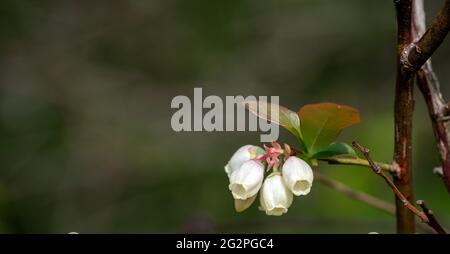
point(321, 123)
point(283, 116)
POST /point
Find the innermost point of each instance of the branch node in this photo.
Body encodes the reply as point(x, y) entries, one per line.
point(405, 202)
point(395, 169)
point(438, 171)
point(446, 109)
point(444, 118)
point(404, 56)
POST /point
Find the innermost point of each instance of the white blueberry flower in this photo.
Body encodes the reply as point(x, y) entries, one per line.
point(243, 154)
point(297, 175)
point(246, 181)
point(275, 197)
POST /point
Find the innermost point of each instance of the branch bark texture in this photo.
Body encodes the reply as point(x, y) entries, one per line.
point(419, 51)
point(403, 108)
point(430, 88)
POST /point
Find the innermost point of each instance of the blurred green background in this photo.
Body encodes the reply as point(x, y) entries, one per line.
point(85, 89)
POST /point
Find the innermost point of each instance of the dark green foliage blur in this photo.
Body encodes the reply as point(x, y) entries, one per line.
point(85, 89)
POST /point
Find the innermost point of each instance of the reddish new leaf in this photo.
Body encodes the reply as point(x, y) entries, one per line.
point(276, 114)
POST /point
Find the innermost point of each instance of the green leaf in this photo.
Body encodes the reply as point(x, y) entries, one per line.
point(321, 123)
point(284, 117)
point(336, 150)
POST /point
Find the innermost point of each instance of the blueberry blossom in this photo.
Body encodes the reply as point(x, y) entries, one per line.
point(246, 181)
point(297, 175)
point(275, 197)
point(243, 154)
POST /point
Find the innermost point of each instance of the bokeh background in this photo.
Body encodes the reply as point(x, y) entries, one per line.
point(85, 89)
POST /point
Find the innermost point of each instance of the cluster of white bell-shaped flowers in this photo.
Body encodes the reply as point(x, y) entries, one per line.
point(246, 170)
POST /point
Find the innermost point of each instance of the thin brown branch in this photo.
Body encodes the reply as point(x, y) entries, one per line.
point(422, 215)
point(432, 220)
point(438, 109)
point(417, 53)
point(357, 195)
point(391, 184)
point(403, 108)
point(362, 197)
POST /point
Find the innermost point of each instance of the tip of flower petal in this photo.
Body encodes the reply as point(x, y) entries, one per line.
point(227, 169)
point(277, 211)
point(301, 187)
point(238, 190)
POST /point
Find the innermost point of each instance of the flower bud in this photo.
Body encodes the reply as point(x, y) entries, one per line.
point(243, 154)
point(241, 205)
point(246, 181)
point(297, 175)
point(275, 198)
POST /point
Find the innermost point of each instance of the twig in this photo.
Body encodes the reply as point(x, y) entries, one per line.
point(349, 192)
point(437, 107)
point(391, 168)
point(417, 53)
point(429, 87)
point(361, 196)
point(391, 184)
point(422, 215)
point(432, 220)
